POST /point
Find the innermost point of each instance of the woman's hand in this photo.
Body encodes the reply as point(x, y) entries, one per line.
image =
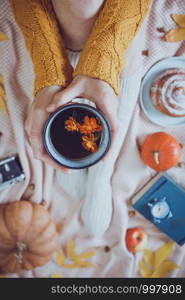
point(35, 122)
point(96, 90)
point(50, 98)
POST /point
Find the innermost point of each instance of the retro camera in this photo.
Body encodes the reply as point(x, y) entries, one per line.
point(10, 172)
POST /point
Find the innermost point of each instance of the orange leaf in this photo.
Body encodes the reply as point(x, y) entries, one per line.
point(3, 37)
point(175, 35)
point(179, 20)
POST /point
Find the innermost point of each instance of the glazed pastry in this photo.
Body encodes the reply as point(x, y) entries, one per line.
point(168, 92)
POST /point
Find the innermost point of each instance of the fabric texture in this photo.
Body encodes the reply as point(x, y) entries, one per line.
point(66, 194)
point(37, 21)
point(102, 56)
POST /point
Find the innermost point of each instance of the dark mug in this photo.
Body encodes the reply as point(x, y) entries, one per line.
point(67, 148)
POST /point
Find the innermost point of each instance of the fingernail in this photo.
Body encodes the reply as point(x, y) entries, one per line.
point(51, 107)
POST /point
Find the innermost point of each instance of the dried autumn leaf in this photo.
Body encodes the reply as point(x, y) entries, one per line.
point(164, 268)
point(57, 275)
point(163, 253)
point(71, 266)
point(1, 79)
point(3, 106)
point(175, 35)
point(86, 255)
point(179, 20)
point(3, 37)
point(2, 92)
point(144, 269)
point(149, 257)
point(88, 142)
point(60, 258)
point(71, 249)
point(85, 264)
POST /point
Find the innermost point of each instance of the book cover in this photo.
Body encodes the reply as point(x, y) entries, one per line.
point(162, 202)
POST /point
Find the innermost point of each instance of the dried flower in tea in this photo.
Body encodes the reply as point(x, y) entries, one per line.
point(89, 143)
point(71, 124)
point(90, 125)
point(87, 128)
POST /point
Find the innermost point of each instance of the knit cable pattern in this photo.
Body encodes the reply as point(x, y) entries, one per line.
point(37, 21)
point(103, 55)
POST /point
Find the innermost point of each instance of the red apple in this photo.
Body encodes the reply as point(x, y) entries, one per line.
point(136, 239)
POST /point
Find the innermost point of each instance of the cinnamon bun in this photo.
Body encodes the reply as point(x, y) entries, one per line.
point(168, 92)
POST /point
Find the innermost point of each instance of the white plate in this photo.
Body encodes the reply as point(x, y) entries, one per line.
point(145, 100)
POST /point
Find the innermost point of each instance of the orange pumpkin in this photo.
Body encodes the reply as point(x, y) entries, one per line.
point(28, 236)
point(161, 151)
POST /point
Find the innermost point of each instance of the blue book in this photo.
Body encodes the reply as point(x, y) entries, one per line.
point(162, 202)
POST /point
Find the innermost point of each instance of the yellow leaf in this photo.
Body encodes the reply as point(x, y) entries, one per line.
point(71, 266)
point(79, 265)
point(2, 96)
point(60, 258)
point(163, 253)
point(3, 37)
point(57, 275)
point(71, 249)
point(86, 264)
point(144, 269)
point(83, 264)
point(86, 255)
point(179, 20)
point(164, 268)
point(1, 79)
point(149, 257)
point(3, 105)
point(2, 92)
point(175, 35)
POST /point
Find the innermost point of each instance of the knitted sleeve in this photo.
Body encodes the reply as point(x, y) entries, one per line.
point(116, 26)
point(38, 23)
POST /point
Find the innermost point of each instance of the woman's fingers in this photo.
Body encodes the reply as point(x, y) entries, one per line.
point(63, 97)
point(34, 131)
point(36, 141)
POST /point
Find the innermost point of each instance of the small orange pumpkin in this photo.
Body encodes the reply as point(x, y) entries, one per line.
point(28, 236)
point(161, 151)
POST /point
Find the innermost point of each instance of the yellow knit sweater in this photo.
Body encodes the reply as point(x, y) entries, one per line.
point(103, 55)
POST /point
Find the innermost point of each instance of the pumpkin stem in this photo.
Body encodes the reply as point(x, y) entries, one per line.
point(20, 248)
point(156, 157)
point(43, 202)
